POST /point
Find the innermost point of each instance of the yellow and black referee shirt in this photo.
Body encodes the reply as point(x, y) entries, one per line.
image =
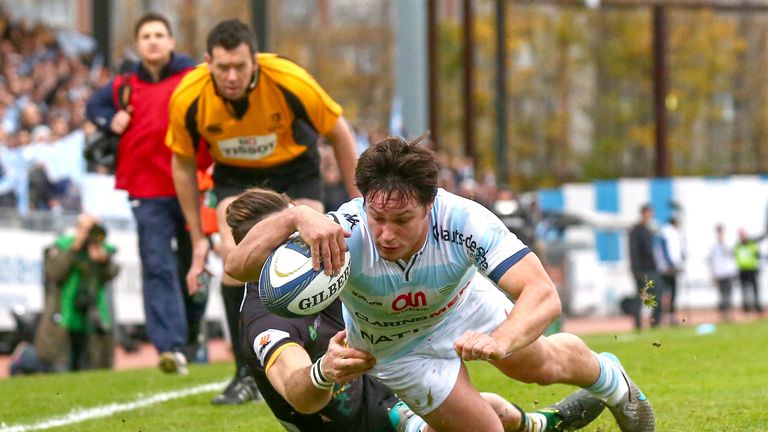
point(286, 113)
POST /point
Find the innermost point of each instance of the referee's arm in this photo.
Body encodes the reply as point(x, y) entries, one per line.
point(345, 151)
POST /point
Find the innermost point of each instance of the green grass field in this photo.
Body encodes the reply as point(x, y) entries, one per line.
point(714, 382)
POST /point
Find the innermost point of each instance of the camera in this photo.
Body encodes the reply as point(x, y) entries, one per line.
point(97, 234)
point(101, 149)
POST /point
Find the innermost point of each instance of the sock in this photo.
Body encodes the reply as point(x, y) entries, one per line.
point(233, 296)
point(534, 422)
point(610, 387)
point(415, 424)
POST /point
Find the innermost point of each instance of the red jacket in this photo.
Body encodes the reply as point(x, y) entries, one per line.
point(143, 167)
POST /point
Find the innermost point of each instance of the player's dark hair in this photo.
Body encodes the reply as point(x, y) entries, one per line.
point(394, 165)
point(151, 17)
point(229, 34)
point(252, 206)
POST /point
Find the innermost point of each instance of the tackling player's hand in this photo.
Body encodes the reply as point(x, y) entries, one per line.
point(343, 364)
point(474, 345)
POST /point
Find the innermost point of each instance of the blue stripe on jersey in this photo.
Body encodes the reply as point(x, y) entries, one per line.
point(502, 268)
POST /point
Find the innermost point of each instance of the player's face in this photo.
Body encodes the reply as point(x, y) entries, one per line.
point(232, 70)
point(399, 228)
point(154, 43)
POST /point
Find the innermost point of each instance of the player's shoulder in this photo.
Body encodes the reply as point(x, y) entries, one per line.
point(351, 213)
point(190, 87)
point(284, 71)
point(451, 206)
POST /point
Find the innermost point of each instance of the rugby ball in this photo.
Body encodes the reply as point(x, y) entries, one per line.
point(290, 287)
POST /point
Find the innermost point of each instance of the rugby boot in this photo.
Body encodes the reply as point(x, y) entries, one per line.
point(634, 413)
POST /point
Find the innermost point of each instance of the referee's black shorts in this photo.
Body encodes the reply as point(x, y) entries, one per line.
point(299, 178)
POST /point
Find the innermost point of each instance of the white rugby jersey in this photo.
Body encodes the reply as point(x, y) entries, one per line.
point(391, 306)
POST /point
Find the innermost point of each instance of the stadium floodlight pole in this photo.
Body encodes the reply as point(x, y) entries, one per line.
point(469, 72)
point(259, 21)
point(502, 169)
point(660, 90)
point(101, 25)
point(433, 67)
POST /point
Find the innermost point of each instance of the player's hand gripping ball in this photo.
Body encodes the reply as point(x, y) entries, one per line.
point(290, 287)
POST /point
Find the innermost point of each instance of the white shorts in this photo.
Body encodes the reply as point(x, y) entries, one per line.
point(425, 377)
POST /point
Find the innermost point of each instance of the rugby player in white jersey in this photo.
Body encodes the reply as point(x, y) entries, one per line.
point(291, 358)
point(412, 299)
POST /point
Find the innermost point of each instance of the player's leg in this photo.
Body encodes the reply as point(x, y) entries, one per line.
point(574, 412)
point(564, 358)
point(463, 410)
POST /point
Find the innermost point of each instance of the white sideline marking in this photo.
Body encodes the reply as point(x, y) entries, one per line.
point(79, 415)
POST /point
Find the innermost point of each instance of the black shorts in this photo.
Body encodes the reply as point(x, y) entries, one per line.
point(299, 178)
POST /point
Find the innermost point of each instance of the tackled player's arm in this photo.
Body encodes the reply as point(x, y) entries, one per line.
point(325, 238)
point(537, 304)
point(345, 151)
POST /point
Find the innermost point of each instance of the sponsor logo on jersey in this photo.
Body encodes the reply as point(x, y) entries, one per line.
point(265, 341)
point(312, 301)
point(248, 147)
point(477, 252)
point(409, 300)
point(352, 220)
point(365, 299)
point(391, 337)
point(411, 320)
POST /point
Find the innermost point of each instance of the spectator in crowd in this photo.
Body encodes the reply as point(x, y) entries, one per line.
point(80, 265)
point(670, 260)
point(748, 260)
point(134, 106)
point(42, 85)
point(14, 164)
point(261, 115)
point(643, 266)
point(722, 266)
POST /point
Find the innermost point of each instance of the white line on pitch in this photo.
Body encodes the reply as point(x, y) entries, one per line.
point(82, 414)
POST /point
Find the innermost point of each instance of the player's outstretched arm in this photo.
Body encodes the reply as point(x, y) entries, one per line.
point(290, 376)
point(307, 386)
point(326, 240)
point(537, 305)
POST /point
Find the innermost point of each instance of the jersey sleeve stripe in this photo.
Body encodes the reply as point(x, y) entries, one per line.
point(190, 121)
point(276, 353)
point(502, 268)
